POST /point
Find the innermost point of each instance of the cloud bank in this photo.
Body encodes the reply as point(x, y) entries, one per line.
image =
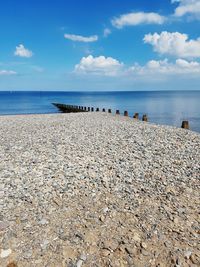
point(109, 66)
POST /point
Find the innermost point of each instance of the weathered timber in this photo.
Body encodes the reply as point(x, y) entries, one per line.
point(68, 108)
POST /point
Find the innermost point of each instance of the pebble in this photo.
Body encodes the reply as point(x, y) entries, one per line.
point(5, 253)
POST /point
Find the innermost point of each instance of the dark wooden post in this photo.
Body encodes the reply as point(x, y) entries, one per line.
point(103, 110)
point(109, 110)
point(97, 109)
point(185, 125)
point(144, 117)
point(126, 113)
point(88, 108)
point(136, 116)
point(117, 112)
point(92, 109)
point(85, 108)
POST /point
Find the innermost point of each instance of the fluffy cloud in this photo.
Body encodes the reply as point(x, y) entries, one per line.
point(191, 7)
point(99, 66)
point(133, 19)
point(165, 68)
point(153, 69)
point(7, 72)
point(21, 51)
point(175, 44)
point(79, 38)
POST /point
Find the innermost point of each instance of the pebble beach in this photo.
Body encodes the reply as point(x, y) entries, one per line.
point(95, 189)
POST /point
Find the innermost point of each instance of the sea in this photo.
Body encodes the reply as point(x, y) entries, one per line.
point(161, 107)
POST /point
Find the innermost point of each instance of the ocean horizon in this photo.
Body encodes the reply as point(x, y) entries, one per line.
point(162, 107)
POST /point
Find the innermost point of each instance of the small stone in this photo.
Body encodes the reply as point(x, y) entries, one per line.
point(131, 250)
point(79, 263)
point(187, 254)
point(102, 218)
point(111, 244)
point(105, 210)
point(144, 252)
point(105, 252)
point(176, 220)
point(5, 253)
point(83, 257)
point(144, 245)
point(43, 222)
point(44, 244)
point(195, 259)
point(136, 237)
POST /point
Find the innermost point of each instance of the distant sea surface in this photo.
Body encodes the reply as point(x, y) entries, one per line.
point(162, 107)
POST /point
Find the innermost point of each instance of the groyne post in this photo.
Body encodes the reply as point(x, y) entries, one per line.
point(136, 116)
point(185, 125)
point(144, 117)
point(109, 110)
point(117, 112)
point(97, 109)
point(88, 108)
point(92, 109)
point(103, 110)
point(126, 113)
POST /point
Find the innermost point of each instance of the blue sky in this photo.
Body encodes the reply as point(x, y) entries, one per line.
point(100, 45)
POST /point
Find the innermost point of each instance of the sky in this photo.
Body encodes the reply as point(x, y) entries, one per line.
point(107, 45)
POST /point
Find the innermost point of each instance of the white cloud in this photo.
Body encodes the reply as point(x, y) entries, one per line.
point(99, 66)
point(21, 51)
point(7, 72)
point(175, 44)
point(185, 7)
point(106, 32)
point(154, 68)
point(79, 38)
point(133, 19)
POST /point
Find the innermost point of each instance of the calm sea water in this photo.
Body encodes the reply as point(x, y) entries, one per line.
point(166, 107)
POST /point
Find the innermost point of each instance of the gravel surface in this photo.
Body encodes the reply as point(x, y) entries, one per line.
point(94, 189)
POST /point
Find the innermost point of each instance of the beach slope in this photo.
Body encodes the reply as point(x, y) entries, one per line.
point(94, 189)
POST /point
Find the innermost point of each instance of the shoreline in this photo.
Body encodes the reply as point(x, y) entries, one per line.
point(110, 114)
point(93, 189)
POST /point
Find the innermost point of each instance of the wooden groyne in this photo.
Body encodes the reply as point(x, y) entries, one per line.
point(72, 108)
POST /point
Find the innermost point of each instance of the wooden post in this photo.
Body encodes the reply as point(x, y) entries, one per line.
point(144, 117)
point(81, 108)
point(136, 116)
point(103, 110)
point(117, 112)
point(97, 109)
point(85, 108)
point(109, 110)
point(92, 109)
point(88, 108)
point(185, 125)
point(126, 113)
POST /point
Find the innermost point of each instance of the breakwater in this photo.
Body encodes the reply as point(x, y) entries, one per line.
point(73, 109)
